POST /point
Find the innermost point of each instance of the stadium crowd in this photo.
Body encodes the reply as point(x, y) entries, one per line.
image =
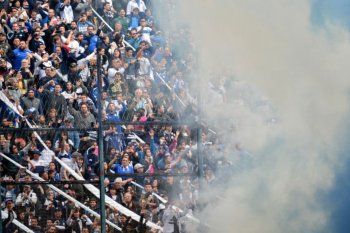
point(48, 71)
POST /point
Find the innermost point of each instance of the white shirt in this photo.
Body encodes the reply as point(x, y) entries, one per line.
point(111, 73)
point(167, 219)
point(145, 66)
point(39, 162)
point(75, 48)
point(67, 95)
point(5, 214)
point(118, 106)
point(146, 33)
point(67, 13)
point(84, 62)
point(133, 4)
point(32, 199)
point(46, 156)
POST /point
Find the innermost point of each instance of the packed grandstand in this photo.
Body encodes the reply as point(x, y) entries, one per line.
point(49, 119)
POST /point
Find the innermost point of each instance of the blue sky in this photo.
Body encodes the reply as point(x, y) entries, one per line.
point(336, 11)
point(337, 199)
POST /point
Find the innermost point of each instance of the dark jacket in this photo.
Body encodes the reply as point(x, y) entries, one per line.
point(81, 121)
point(55, 101)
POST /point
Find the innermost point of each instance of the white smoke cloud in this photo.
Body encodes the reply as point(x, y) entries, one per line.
point(303, 71)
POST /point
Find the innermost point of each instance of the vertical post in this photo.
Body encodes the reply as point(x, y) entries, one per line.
point(0, 209)
point(200, 154)
point(200, 157)
point(199, 138)
point(100, 146)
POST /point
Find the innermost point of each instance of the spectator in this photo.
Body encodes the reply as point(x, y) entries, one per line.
point(36, 164)
point(27, 198)
point(19, 32)
point(130, 68)
point(83, 118)
point(7, 216)
point(123, 20)
point(124, 168)
point(73, 136)
point(5, 48)
point(117, 67)
point(54, 85)
point(134, 19)
point(9, 168)
point(30, 102)
point(132, 4)
point(144, 68)
point(20, 54)
point(66, 11)
point(52, 172)
point(55, 100)
point(108, 13)
point(129, 203)
point(145, 31)
point(76, 221)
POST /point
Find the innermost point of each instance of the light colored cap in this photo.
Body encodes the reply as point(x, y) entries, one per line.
point(118, 180)
point(137, 166)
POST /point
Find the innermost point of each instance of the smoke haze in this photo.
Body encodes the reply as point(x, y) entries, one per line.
point(272, 46)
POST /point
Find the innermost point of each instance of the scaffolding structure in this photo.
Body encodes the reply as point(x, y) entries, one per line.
point(100, 182)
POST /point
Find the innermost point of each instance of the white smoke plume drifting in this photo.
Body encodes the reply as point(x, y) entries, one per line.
point(272, 46)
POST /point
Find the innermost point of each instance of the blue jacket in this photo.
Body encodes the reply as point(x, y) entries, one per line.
point(114, 118)
point(93, 43)
point(119, 169)
point(82, 26)
point(19, 55)
point(134, 21)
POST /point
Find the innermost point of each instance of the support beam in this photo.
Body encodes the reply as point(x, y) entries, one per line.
point(100, 146)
